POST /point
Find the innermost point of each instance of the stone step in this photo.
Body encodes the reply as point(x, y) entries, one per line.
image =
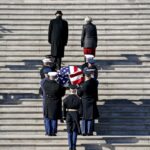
point(96, 6)
point(35, 115)
point(103, 86)
point(85, 147)
point(39, 122)
point(9, 27)
point(36, 102)
point(130, 96)
point(42, 49)
point(80, 58)
point(102, 76)
point(39, 147)
point(73, 2)
point(119, 73)
point(74, 33)
point(104, 82)
point(112, 88)
point(98, 127)
point(110, 114)
point(9, 44)
point(81, 139)
point(72, 17)
point(115, 104)
point(76, 38)
point(41, 140)
point(130, 146)
point(101, 121)
point(103, 109)
point(78, 32)
point(34, 52)
point(86, 11)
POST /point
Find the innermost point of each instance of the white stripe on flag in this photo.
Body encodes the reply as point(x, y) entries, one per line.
point(72, 79)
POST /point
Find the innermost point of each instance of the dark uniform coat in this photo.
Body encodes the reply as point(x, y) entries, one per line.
point(88, 93)
point(58, 36)
point(72, 117)
point(85, 66)
point(89, 36)
point(42, 69)
point(53, 102)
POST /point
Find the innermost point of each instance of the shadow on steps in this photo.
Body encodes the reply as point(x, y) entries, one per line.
point(124, 117)
point(14, 98)
point(28, 65)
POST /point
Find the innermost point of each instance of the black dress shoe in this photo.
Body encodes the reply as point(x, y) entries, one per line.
point(49, 134)
point(90, 134)
point(83, 134)
point(53, 134)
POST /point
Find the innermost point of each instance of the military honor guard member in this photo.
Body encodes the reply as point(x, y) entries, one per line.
point(88, 93)
point(72, 109)
point(46, 120)
point(90, 65)
point(58, 37)
point(53, 102)
point(46, 64)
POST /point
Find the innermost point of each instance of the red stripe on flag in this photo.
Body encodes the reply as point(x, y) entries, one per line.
point(75, 68)
point(79, 81)
point(76, 74)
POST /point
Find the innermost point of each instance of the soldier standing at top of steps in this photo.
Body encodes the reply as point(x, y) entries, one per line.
point(89, 95)
point(53, 102)
point(58, 37)
point(72, 109)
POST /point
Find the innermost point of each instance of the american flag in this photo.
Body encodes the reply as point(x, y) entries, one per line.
point(71, 74)
point(75, 75)
point(63, 76)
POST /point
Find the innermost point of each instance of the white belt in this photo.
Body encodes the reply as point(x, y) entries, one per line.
point(71, 110)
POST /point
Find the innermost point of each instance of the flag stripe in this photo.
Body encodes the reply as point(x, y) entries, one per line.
point(76, 74)
point(79, 81)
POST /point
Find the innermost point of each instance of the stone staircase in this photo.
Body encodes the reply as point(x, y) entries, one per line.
point(122, 57)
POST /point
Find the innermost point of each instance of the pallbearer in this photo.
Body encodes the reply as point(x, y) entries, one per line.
point(46, 64)
point(72, 109)
point(53, 107)
point(46, 120)
point(90, 65)
point(88, 93)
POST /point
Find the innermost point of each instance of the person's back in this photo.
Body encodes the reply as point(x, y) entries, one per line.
point(88, 94)
point(88, 89)
point(53, 104)
point(58, 26)
point(72, 102)
point(90, 30)
point(52, 89)
point(72, 109)
point(58, 37)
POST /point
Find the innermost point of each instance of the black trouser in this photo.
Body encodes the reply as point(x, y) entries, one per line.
point(58, 62)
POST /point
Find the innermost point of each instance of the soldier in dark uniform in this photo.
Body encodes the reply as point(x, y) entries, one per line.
point(46, 120)
point(72, 110)
point(53, 102)
point(46, 63)
point(58, 37)
point(88, 93)
point(90, 65)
